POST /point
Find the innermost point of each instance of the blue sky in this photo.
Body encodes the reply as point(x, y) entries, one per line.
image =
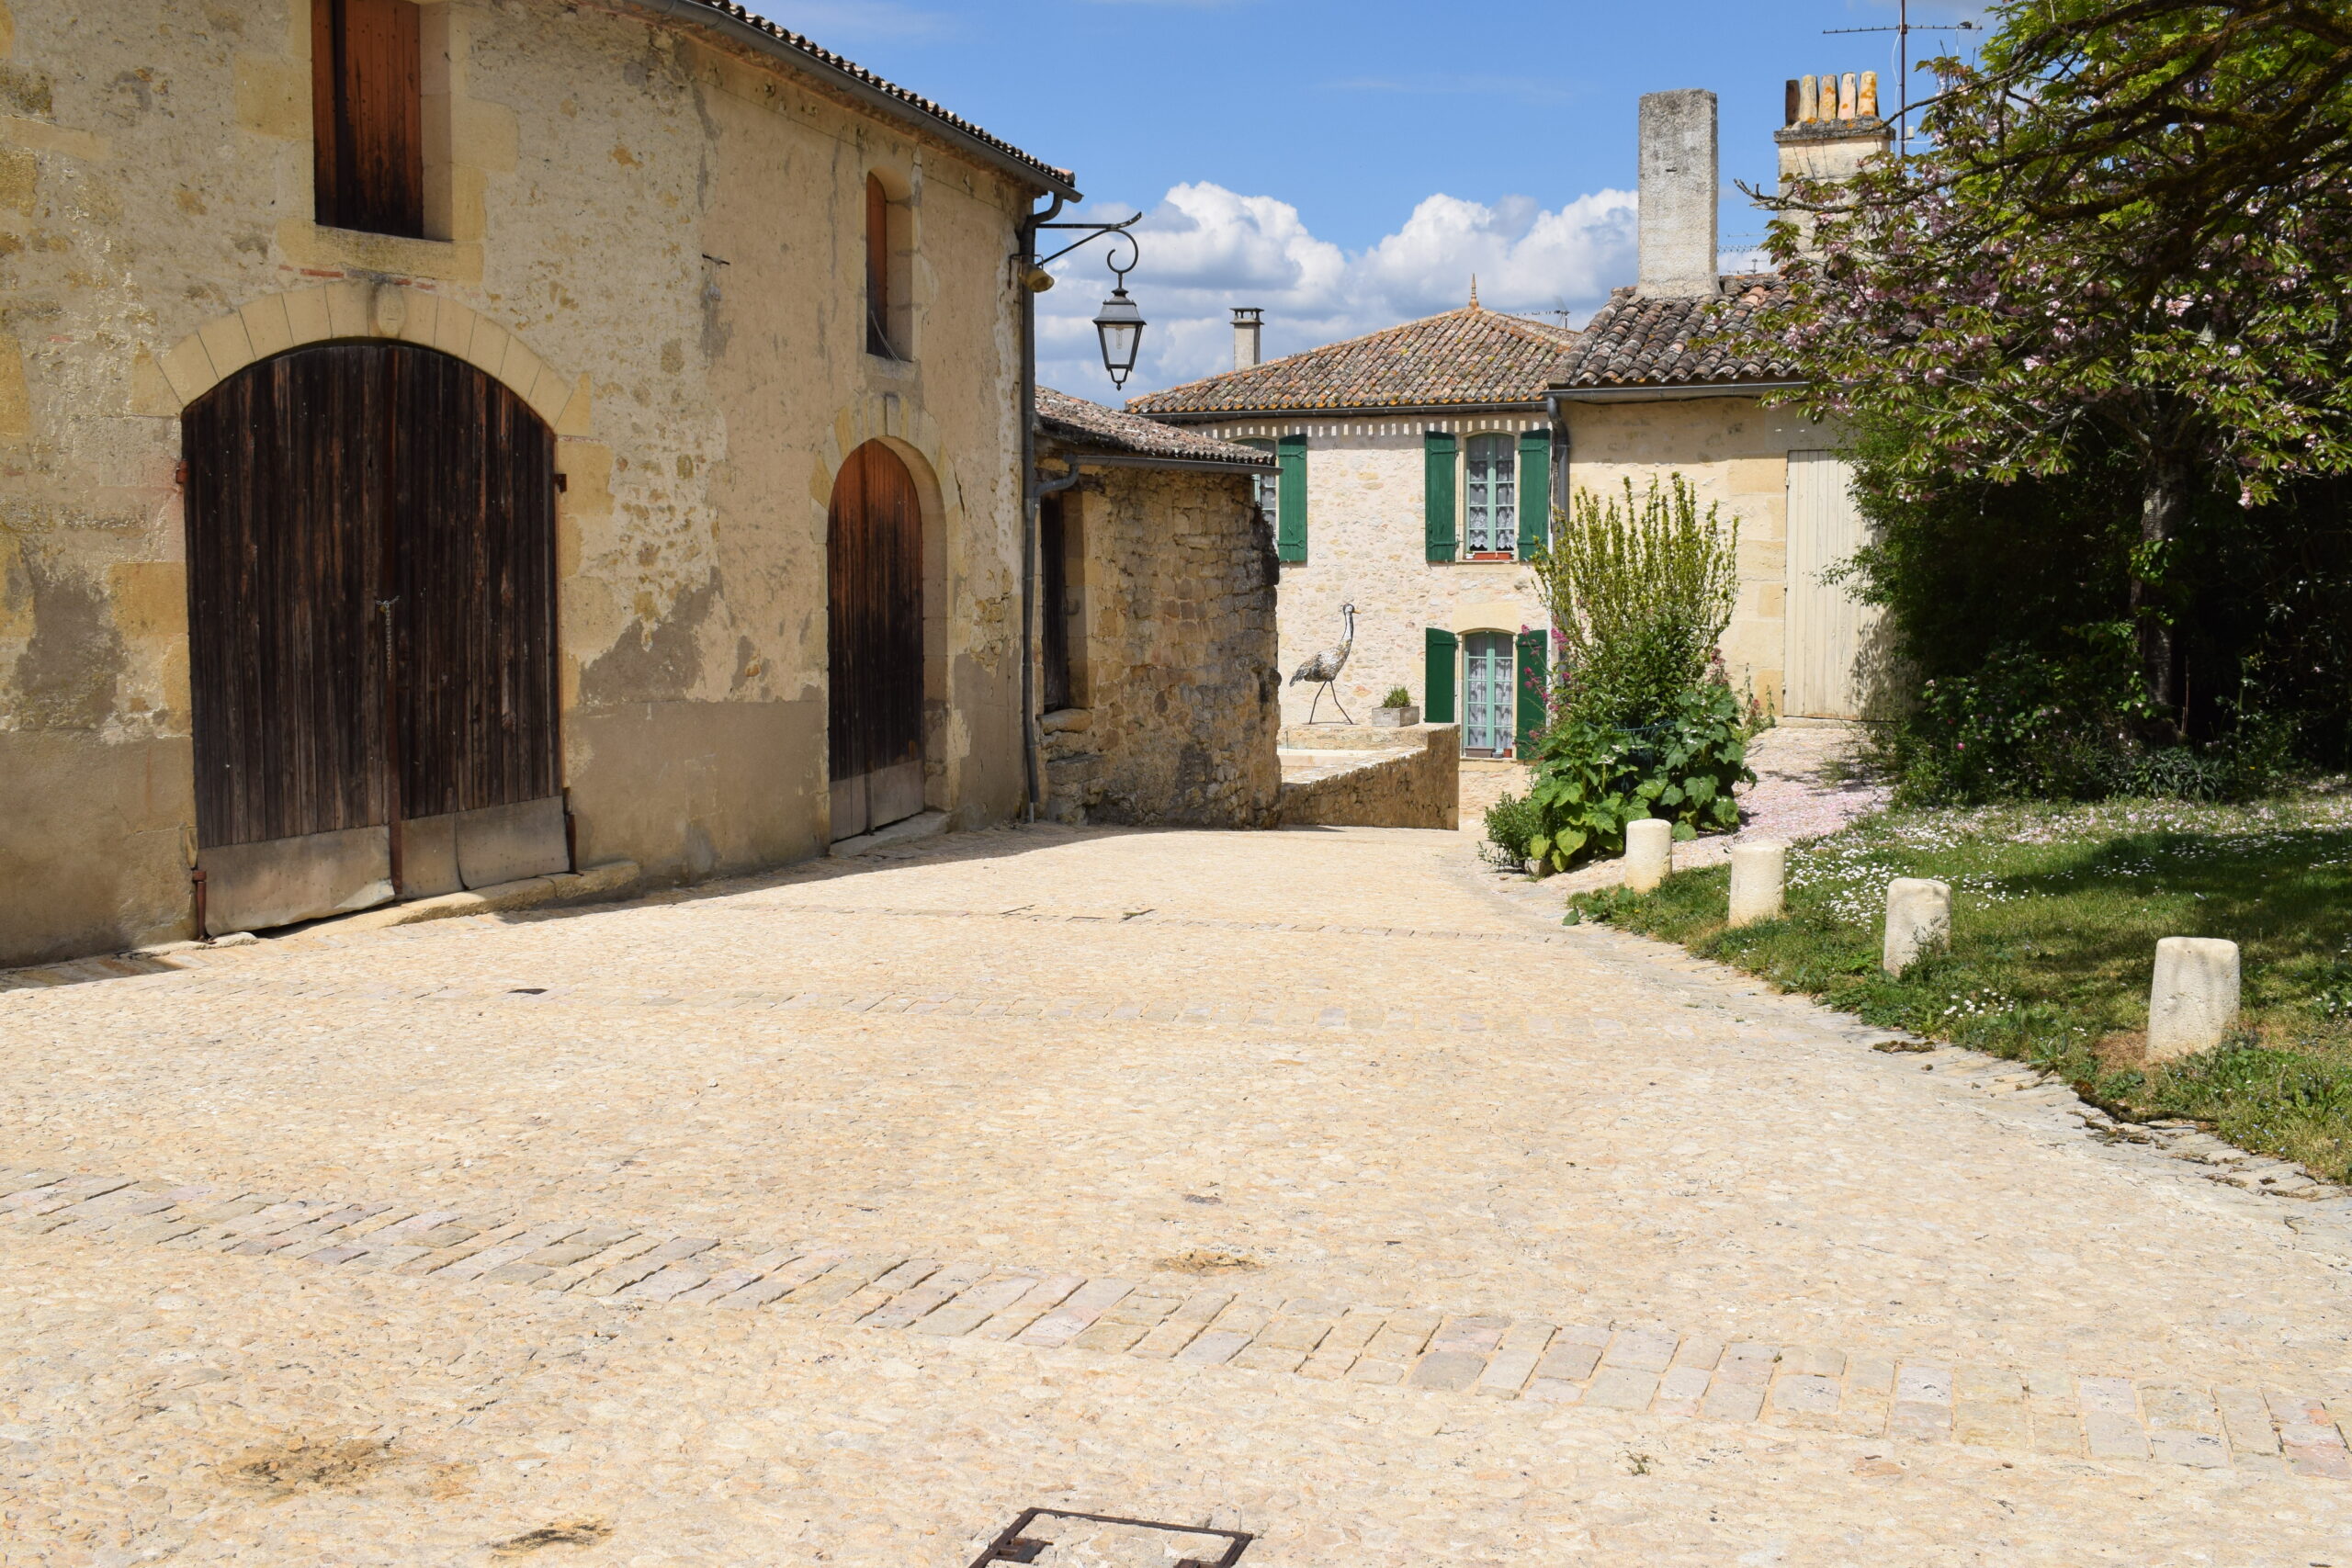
point(1349, 163)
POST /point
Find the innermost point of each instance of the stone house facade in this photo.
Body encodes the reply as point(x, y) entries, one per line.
point(1674, 376)
point(638, 285)
point(1416, 475)
point(1157, 651)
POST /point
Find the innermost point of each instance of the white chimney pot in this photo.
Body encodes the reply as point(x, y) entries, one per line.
point(1248, 325)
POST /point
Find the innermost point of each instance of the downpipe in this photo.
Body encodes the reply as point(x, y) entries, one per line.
point(1031, 738)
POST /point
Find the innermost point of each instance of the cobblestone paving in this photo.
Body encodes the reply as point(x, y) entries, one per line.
point(1291, 1182)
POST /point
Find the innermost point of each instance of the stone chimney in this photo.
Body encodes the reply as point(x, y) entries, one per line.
point(1833, 127)
point(1248, 323)
point(1678, 192)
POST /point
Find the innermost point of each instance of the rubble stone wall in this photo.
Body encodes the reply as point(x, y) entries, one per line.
point(1175, 718)
point(1415, 788)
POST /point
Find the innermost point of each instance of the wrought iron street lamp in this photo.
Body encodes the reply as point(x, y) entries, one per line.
point(1120, 326)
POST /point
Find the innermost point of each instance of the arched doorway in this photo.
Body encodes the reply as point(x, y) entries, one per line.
point(371, 622)
point(874, 642)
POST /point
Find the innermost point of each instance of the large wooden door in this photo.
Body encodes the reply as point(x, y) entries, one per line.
point(371, 622)
point(874, 642)
point(1828, 628)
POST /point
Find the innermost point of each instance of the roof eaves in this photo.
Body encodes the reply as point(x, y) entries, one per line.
point(844, 75)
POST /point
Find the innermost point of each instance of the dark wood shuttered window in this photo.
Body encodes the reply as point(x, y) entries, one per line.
point(1054, 541)
point(878, 268)
point(367, 114)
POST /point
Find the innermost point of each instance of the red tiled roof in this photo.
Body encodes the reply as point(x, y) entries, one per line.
point(1690, 341)
point(1079, 423)
point(794, 44)
point(1470, 355)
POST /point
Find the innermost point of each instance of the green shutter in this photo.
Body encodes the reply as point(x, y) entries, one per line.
point(1437, 490)
point(1437, 675)
point(1535, 492)
point(1534, 668)
point(1290, 498)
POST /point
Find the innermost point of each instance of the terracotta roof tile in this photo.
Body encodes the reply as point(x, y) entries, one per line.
point(1470, 355)
point(1695, 340)
point(1061, 417)
point(793, 43)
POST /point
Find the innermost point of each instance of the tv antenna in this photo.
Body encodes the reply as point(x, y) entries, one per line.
point(1903, 29)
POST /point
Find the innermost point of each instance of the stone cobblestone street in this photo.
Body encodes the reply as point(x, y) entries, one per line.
point(1304, 1183)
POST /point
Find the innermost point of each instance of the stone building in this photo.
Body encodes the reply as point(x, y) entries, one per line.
point(1672, 375)
point(1420, 465)
point(446, 441)
point(1416, 472)
point(1156, 651)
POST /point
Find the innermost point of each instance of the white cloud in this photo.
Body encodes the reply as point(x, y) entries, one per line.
point(1206, 249)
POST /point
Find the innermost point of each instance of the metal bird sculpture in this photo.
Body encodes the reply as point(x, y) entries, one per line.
point(1326, 665)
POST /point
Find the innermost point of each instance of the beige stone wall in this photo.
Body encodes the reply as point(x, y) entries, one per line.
point(1734, 453)
point(1415, 786)
point(655, 241)
point(1172, 656)
point(1365, 508)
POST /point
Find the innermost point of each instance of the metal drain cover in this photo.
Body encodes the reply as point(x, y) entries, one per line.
point(1053, 1539)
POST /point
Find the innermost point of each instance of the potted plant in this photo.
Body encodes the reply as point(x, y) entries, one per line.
point(1396, 710)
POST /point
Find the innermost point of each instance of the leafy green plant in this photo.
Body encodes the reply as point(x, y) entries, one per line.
point(1641, 587)
point(1397, 697)
point(1511, 823)
point(1594, 779)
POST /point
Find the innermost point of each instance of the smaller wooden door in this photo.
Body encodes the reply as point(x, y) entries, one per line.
point(1490, 697)
point(874, 642)
point(1828, 628)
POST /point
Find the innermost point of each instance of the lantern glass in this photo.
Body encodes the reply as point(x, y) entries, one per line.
point(1120, 326)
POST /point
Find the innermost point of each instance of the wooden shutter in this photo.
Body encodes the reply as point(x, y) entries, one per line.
point(367, 116)
point(1535, 492)
point(1053, 596)
point(1534, 708)
point(1290, 498)
point(877, 267)
point(1437, 506)
point(1437, 674)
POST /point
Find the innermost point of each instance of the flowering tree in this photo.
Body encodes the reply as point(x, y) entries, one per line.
point(2132, 219)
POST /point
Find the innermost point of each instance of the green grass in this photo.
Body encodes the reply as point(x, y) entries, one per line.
point(2056, 915)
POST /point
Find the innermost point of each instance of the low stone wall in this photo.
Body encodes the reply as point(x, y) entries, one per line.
point(1396, 787)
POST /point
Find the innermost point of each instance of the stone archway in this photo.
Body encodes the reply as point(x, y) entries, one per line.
point(341, 312)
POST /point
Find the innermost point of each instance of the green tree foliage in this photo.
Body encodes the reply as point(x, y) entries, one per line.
point(2123, 256)
point(2009, 605)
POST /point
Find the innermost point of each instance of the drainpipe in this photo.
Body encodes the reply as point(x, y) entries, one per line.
point(1559, 474)
point(1026, 267)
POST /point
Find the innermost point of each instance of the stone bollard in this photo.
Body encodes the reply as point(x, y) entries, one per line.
point(1919, 920)
point(1649, 852)
point(1758, 873)
point(2194, 1001)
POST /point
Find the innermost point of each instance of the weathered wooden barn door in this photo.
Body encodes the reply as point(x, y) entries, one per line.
point(1827, 629)
point(371, 625)
point(473, 581)
point(284, 539)
point(874, 642)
